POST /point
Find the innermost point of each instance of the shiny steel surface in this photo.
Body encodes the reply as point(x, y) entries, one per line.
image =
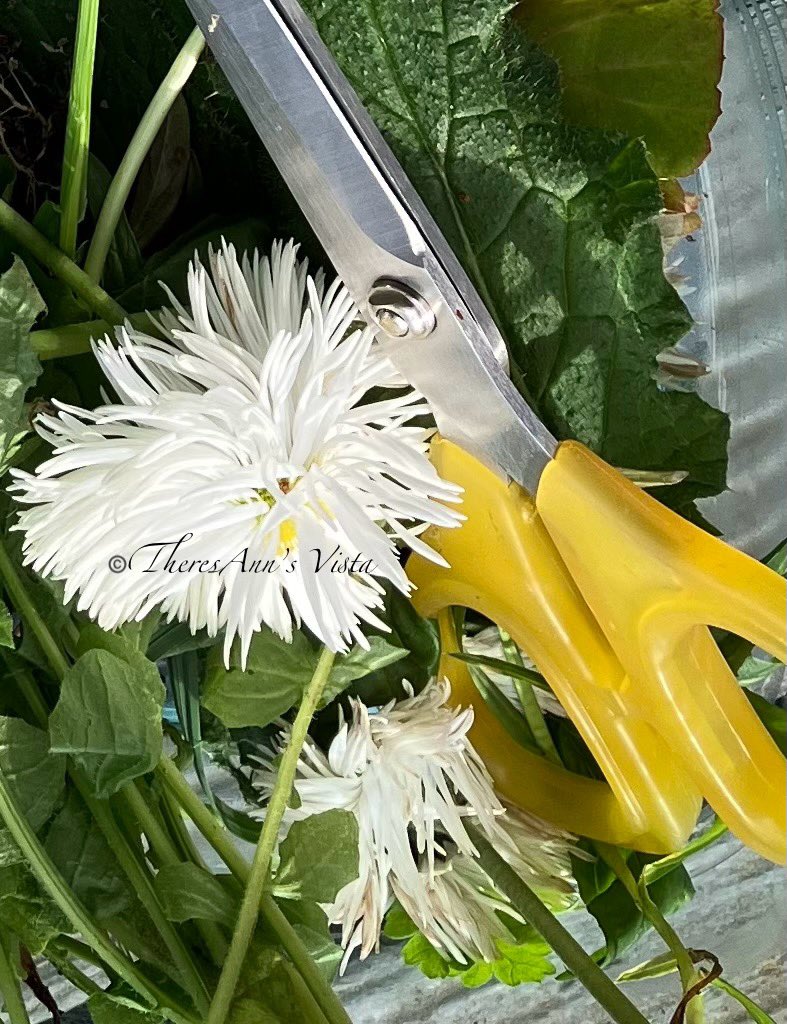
point(373, 225)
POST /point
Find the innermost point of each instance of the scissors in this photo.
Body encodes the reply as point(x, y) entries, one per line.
point(610, 593)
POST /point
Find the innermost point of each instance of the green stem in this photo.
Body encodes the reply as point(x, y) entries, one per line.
point(53, 883)
point(74, 949)
point(217, 836)
point(138, 148)
point(127, 859)
point(75, 153)
point(74, 339)
point(29, 613)
point(161, 842)
point(604, 991)
point(70, 971)
point(140, 879)
point(638, 891)
point(260, 868)
point(23, 232)
point(530, 706)
point(10, 989)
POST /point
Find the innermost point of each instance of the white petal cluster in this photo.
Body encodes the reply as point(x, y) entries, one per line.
point(410, 775)
point(246, 432)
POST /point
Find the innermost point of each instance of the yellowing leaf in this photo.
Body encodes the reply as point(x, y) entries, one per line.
point(643, 68)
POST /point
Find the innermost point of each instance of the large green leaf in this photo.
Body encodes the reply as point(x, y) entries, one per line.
point(276, 674)
point(36, 777)
point(271, 684)
point(318, 857)
point(108, 718)
point(81, 854)
point(20, 306)
point(647, 69)
point(555, 224)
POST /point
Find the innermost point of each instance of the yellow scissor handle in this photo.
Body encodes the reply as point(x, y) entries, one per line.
point(655, 583)
point(504, 565)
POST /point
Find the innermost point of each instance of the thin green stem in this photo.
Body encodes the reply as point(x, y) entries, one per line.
point(140, 879)
point(78, 950)
point(29, 613)
point(73, 180)
point(638, 891)
point(260, 868)
point(10, 989)
point(23, 232)
point(603, 989)
point(53, 883)
point(161, 842)
point(530, 706)
point(70, 971)
point(138, 148)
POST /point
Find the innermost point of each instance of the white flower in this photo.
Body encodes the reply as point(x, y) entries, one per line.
point(242, 431)
point(411, 777)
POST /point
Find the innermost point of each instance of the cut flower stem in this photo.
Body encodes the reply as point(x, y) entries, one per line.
point(260, 868)
point(606, 993)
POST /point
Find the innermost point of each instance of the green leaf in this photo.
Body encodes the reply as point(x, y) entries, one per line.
point(318, 857)
point(170, 266)
point(271, 684)
point(360, 662)
point(108, 718)
point(109, 1009)
point(20, 306)
point(35, 776)
point(613, 76)
point(757, 1014)
point(188, 892)
point(81, 854)
point(6, 627)
point(512, 720)
point(506, 668)
point(656, 967)
point(398, 923)
point(773, 717)
point(757, 669)
point(173, 638)
point(276, 674)
point(618, 916)
point(554, 224)
point(9, 851)
point(417, 636)
point(275, 999)
point(419, 952)
point(658, 868)
point(27, 910)
point(309, 921)
point(523, 961)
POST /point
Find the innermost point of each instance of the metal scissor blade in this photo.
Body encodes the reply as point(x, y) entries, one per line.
point(373, 226)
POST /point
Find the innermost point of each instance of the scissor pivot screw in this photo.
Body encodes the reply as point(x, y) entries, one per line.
point(399, 311)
